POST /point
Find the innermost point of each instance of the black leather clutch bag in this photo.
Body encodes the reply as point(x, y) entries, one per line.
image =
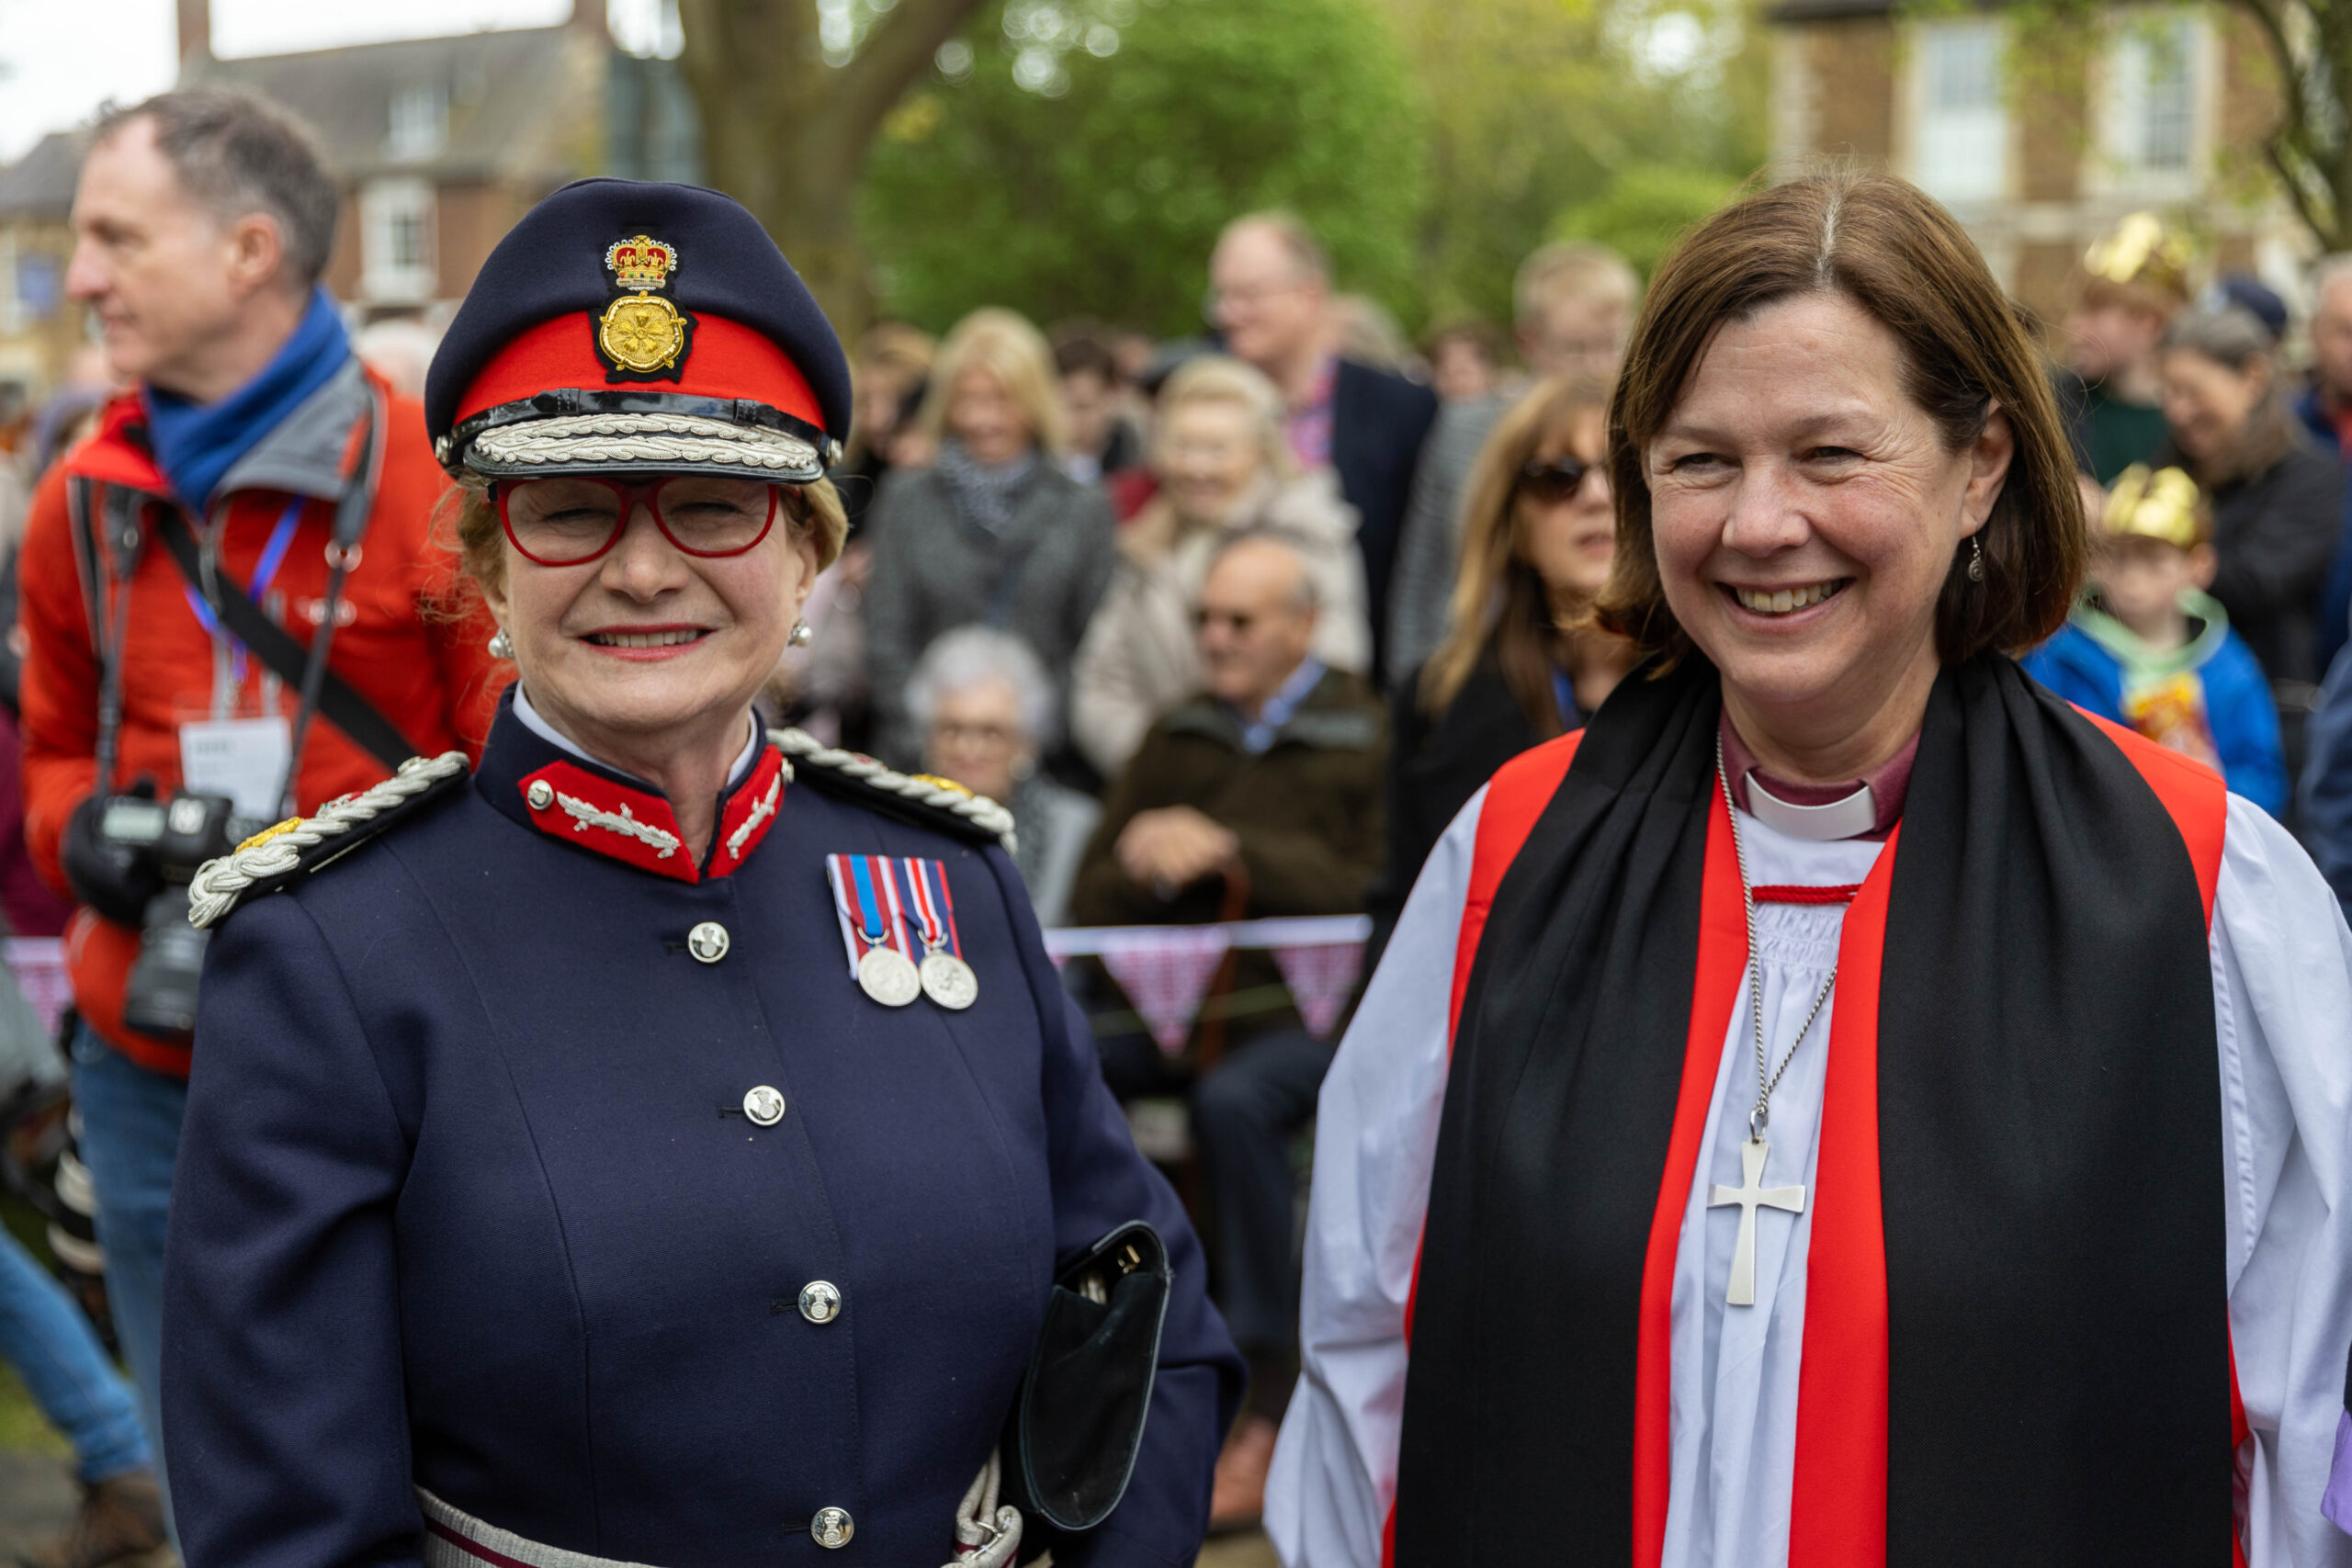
point(1078, 1422)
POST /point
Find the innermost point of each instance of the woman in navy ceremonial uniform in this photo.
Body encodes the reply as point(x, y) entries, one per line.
point(661, 1147)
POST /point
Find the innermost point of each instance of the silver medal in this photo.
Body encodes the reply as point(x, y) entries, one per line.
point(949, 981)
point(888, 977)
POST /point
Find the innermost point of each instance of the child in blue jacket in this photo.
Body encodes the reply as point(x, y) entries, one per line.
point(2149, 649)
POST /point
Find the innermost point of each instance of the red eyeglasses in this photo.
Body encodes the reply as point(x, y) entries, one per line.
point(574, 519)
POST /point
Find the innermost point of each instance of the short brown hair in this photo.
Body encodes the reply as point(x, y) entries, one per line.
point(235, 153)
point(1883, 244)
point(1291, 231)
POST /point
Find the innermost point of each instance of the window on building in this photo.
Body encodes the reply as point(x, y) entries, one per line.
point(2152, 97)
point(1960, 150)
point(397, 241)
point(420, 123)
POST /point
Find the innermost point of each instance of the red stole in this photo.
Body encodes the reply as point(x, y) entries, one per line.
point(1838, 1494)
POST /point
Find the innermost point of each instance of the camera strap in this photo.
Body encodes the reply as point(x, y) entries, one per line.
point(305, 670)
point(109, 619)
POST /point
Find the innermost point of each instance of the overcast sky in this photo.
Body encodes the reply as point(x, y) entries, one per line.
point(62, 59)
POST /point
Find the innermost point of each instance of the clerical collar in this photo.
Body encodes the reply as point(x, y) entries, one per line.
point(538, 725)
point(1866, 808)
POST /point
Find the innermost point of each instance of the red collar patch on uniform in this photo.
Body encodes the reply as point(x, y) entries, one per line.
point(750, 812)
point(638, 826)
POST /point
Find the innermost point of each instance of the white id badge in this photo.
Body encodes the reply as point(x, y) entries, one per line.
point(243, 759)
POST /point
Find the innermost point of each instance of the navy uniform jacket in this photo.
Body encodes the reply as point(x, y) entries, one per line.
point(467, 1196)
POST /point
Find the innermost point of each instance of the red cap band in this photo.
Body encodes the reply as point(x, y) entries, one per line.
point(727, 360)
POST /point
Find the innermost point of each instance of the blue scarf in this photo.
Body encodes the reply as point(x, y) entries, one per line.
point(196, 444)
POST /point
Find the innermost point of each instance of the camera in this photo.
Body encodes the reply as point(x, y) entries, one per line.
point(173, 838)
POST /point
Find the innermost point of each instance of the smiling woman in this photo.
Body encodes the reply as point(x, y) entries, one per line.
point(1765, 1076)
point(672, 1140)
point(645, 616)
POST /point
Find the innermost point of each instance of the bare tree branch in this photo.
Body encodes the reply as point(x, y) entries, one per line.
point(2311, 218)
point(2295, 147)
point(893, 54)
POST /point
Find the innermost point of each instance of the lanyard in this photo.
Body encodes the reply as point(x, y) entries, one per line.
point(273, 556)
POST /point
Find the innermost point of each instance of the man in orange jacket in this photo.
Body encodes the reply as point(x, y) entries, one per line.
point(245, 456)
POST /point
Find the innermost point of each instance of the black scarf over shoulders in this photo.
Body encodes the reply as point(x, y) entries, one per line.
point(2049, 1127)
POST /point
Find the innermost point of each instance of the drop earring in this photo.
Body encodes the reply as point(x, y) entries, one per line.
point(1975, 559)
point(501, 645)
point(802, 634)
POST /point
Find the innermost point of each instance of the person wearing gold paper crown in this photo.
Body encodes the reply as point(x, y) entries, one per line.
point(2147, 646)
point(2134, 282)
point(668, 1145)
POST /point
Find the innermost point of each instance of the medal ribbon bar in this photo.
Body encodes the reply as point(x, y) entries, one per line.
point(865, 898)
point(933, 905)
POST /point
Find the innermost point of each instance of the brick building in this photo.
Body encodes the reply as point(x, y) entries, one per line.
point(440, 144)
point(2039, 145)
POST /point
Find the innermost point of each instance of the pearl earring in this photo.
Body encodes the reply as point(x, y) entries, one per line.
point(501, 645)
point(803, 634)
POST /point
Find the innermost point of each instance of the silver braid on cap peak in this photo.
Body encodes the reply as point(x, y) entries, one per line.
point(642, 438)
point(977, 809)
point(219, 882)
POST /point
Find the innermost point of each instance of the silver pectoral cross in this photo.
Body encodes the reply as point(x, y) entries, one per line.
point(1748, 1196)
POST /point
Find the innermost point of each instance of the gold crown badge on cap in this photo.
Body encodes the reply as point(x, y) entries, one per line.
point(641, 333)
point(2158, 506)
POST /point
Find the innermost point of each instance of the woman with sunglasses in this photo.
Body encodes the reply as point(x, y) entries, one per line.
point(1538, 532)
point(661, 1146)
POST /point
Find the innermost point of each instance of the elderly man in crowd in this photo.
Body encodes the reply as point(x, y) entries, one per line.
point(1270, 298)
point(1271, 774)
point(229, 590)
point(1574, 305)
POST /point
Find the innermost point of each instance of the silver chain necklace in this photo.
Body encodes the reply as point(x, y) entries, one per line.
point(1749, 1195)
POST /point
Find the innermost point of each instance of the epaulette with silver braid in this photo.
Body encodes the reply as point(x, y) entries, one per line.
point(273, 857)
point(945, 804)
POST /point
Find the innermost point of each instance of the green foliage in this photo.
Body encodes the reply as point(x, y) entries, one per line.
point(1645, 209)
point(1097, 188)
point(1543, 107)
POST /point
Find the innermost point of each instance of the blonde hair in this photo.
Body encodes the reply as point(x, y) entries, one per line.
point(1217, 378)
point(1573, 271)
point(1500, 602)
point(1004, 344)
point(474, 533)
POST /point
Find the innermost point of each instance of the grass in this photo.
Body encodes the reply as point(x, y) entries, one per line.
point(23, 1428)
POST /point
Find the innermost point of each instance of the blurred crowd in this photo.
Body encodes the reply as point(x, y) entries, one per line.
point(1234, 625)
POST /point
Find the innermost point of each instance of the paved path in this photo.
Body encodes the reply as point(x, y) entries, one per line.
point(1251, 1550)
point(36, 1499)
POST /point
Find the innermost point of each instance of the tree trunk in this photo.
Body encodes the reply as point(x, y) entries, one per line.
point(786, 134)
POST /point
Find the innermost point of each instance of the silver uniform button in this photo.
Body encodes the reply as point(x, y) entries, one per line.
point(707, 942)
point(542, 795)
point(764, 1106)
point(820, 1301)
point(833, 1528)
